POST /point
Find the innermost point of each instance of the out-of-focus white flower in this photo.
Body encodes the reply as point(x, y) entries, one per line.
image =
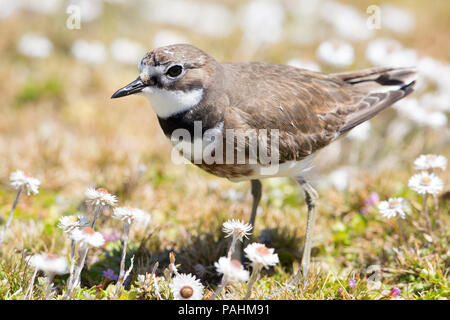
point(430, 161)
point(379, 51)
point(360, 132)
point(69, 223)
point(237, 228)
point(47, 7)
point(91, 52)
point(146, 219)
point(262, 21)
point(346, 20)
point(233, 195)
point(100, 197)
point(87, 237)
point(168, 37)
point(426, 183)
point(34, 46)
point(439, 101)
point(430, 68)
point(336, 53)
point(126, 51)
point(186, 287)
point(397, 19)
point(211, 19)
point(303, 64)
point(233, 270)
point(393, 207)
point(422, 115)
point(339, 178)
point(437, 72)
point(21, 180)
point(258, 253)
point(48, 263)
point(128, 215)
point(89, 9)
point(8, 7)
point(389, 52)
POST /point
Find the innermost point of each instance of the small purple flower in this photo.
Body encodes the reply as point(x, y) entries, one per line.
point(372, 200)
point(339, 290)
point(113, 236)
point(351, 283)
point(109, 274)
point(394, 292)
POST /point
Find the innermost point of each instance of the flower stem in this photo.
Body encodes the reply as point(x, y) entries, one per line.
point(436, 209)
point(11, 215)
point(76, 278)
point(72, 267)
point(48, 291)
point(30, 287)
point(126, 231)
point(220, 288)
point(255, 273)
point(425, 212)
point(402, 231)
point(232, 246)
point(97, 209)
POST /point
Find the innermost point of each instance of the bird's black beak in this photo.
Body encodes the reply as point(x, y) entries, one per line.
point(133, 87)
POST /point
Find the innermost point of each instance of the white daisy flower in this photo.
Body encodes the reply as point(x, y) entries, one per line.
point(87, 237)
point(237, 228)
point(393, 207)
point(48, 263)
point(258, 253)
point(35, 46)
point(186, 287)
point(100, 197)
point(126, 51)
point(335, 53)
point(397, 19)
point(21, 180)
point(426, 183)
point(232, 269)
point(69, 223)
point(430, 161)
point(90, 52)
point(128, 214)
point(262, 21)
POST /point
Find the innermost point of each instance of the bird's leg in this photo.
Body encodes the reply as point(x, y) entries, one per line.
point(256, 194)
point(310, 197)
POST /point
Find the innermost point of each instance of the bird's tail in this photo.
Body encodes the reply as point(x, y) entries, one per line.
point(384, 87)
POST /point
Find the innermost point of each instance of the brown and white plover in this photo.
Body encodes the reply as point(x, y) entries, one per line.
point(294, 113)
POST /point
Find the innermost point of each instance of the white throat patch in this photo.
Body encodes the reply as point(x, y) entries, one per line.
point(167, 103)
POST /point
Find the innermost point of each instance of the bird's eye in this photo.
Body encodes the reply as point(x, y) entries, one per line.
point(174, 71)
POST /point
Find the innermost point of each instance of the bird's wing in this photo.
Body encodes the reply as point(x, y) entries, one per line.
point(308, 109)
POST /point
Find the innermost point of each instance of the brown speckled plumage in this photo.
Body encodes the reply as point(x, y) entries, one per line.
point(309, 109)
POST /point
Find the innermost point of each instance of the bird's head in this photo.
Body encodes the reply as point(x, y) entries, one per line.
point(174, 78)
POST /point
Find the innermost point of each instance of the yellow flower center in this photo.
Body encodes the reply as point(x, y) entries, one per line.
point(425, 181)
point(102, 190)
point(186, 292)
point(263, 251)
point(236, 263)
point(394, 203)
point(51, 256)
point(73, 218)
point(88, 230)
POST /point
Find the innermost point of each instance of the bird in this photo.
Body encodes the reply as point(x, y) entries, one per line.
point(294, 113)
